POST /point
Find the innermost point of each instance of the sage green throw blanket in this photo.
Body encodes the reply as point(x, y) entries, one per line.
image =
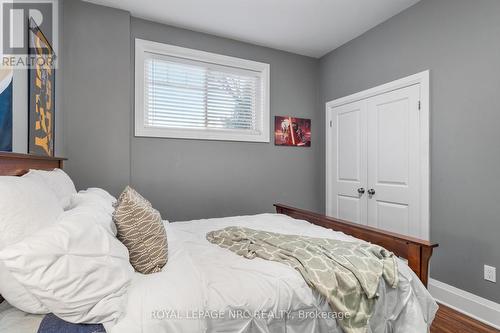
point(346, 273)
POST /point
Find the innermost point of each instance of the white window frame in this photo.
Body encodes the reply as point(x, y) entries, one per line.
point(143, 47)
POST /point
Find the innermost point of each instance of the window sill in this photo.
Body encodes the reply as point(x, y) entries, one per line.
point(202, 134)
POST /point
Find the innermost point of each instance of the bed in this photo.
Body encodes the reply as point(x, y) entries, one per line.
point(204, 288)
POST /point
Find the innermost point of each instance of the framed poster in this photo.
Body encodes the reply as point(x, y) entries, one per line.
point(290, 131)
point(41, 93)
point(5, 109)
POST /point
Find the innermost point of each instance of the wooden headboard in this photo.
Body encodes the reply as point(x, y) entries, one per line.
point(14, 164)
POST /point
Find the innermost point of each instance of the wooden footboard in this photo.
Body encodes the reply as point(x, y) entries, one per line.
point(417, 252)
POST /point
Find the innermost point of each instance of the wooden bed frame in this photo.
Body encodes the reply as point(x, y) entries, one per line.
point(417, 252)
point(14, 164)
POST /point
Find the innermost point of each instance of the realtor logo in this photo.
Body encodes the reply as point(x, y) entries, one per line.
point(18, 21)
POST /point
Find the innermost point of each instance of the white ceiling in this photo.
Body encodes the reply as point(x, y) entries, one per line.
point(307, 27)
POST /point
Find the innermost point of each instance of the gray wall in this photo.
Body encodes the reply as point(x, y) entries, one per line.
point(96, 101)
point(184, 179)
point(190, 179)
point(458, 41)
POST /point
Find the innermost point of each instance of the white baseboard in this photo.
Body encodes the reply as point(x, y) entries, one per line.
point(469, 304)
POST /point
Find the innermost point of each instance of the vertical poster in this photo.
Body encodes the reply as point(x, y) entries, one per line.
point(41, 93)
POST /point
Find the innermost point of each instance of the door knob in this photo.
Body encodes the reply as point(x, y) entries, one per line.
point(361, 191)
point(371, 191)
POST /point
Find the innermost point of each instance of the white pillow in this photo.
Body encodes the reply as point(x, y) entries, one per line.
point(98, 204)
point(75, 268)
point(93, 194)
point(58, 181)
point(26, 206)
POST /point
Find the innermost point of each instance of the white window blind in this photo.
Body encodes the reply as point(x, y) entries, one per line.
point(192, 97)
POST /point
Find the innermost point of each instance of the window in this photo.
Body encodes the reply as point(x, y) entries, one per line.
point(190, 94)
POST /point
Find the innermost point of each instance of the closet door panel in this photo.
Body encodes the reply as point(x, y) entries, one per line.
point(348, 162)
point(393, 164)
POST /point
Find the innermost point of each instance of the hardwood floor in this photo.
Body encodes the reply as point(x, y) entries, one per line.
point(450, 321)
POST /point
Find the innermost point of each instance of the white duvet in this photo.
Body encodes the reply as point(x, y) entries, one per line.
point(204, 288)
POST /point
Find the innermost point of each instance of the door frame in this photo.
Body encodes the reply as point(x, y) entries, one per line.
point(422, 78)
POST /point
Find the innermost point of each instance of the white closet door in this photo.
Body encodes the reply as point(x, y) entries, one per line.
point(348, 157)
point(393, 161)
